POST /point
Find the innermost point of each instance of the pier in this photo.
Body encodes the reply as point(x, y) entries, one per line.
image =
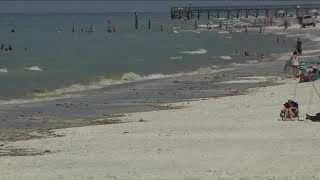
point(239, 11)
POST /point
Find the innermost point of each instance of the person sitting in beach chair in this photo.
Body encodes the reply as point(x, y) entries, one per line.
point(310, 75)
point(306, 76)
point(290, 111)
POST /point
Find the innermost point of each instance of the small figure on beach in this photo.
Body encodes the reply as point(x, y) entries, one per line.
point(299, 46)
point(294, 60)
point(285, 23)
point(290, 110)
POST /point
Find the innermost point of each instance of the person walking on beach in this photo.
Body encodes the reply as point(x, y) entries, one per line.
point(299, 46)
point(295, 64)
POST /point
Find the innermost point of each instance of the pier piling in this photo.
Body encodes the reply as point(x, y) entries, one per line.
point(136, 20)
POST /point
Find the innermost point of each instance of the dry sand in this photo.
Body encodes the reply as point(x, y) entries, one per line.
point(235, 137)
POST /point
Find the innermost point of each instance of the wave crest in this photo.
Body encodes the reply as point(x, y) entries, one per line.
point(199, 51)
point(33, 68)
point(4, 70)
point(125, 78)
point(226, 57)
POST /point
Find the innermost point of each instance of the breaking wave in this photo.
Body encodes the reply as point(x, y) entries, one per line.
point(36, 99)
point(125, 78)
point(252, 61)
point(176, 57)
point(4, 70)
point(33, 68)
point(199, 51)
point(226, 57)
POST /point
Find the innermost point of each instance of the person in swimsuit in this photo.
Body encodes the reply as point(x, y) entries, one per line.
point(295, 64)
point(290, 110)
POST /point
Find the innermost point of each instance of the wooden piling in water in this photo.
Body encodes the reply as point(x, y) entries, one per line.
point(136, 20)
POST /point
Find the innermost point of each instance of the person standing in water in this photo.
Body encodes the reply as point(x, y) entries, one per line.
point(295, 64)
point(299, 46)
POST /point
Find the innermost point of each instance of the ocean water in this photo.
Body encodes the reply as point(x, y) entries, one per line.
point(45, 62)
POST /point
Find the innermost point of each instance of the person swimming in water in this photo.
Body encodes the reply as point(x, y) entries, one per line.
point(10, 48)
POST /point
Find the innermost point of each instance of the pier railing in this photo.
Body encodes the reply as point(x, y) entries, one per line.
point(215, 11)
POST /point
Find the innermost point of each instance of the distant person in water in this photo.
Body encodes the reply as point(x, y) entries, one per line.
point(246, 53)
point(299, 46)
point(278, 40)
point(10, 48)
point(2, 46)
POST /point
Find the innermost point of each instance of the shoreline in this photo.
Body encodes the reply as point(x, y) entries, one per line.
point(41, 113)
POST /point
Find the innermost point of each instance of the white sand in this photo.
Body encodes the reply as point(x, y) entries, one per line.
point(231, 137)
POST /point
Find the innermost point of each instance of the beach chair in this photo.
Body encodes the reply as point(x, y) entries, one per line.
point(296, 114)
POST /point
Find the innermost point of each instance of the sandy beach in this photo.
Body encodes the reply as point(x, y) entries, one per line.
point(235, 137)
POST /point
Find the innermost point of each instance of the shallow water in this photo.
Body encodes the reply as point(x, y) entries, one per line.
point(47, 62)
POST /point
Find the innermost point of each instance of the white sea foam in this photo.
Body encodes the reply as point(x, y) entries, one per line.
point(126, 78)
point(33, 68)
point(3, 70)
point(228, 37)
point(79, 87)
point(175, 31)
point(236, 64)
point(36, 99)
point(252, 61)
point(226, 57)
point(176, 57)
point(311, 51)
point(199, 51)
point(223, 32)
